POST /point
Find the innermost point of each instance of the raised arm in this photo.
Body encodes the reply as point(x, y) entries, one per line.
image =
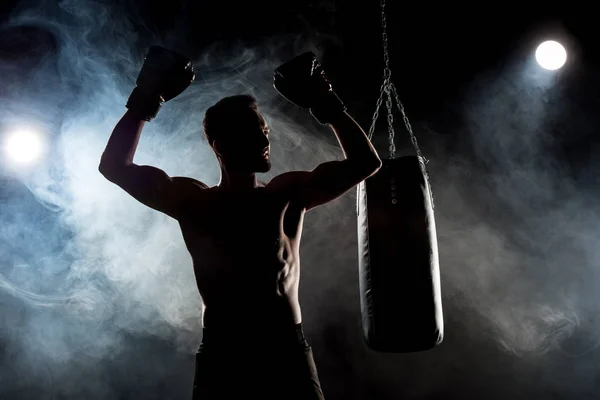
point(163, 76)
point(303, 82)
point(149, 185)
point(330, 180)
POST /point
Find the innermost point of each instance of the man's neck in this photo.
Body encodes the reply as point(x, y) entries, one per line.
point(237, 182)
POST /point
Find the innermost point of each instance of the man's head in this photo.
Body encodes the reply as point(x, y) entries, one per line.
point(238, 134)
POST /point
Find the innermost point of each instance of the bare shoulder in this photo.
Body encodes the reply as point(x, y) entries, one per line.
point(290, 177)
point(288, 180)
point(291, 185)
point(185, 182)
point(188, 189)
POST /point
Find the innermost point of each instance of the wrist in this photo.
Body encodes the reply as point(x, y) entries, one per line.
point(144, 104)
point(328, 108)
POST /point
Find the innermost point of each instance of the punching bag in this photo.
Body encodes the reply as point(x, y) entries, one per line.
point(399, 277)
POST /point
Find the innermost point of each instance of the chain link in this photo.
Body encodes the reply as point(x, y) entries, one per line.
point(389, 90)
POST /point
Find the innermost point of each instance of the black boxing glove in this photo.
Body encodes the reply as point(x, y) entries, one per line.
point(303, 82)
point(164, 75)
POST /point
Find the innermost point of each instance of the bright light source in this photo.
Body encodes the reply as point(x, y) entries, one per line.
point(551, 55)
point(23, 146)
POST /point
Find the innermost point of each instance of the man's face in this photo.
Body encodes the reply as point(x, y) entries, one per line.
point(247, 147)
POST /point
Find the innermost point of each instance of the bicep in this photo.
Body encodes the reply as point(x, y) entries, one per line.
point(151, 186)
point(328, 181)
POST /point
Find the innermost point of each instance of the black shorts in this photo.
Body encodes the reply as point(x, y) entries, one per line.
point(271, 366)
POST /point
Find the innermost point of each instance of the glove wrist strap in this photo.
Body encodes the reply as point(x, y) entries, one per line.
point(327, 108)
point(144, 104)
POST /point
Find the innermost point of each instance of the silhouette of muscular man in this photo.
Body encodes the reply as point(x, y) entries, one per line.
point(243, 235)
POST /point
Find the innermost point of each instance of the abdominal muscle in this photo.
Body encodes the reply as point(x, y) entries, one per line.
point(248, 286)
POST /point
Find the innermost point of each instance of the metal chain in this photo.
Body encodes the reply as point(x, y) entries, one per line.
point(386, 73)
point(376, 113)
point(384, 38)
point(388, 88)
point(390, 119)
point(413, 138)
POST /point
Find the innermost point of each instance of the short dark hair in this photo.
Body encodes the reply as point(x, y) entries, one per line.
point(218, 117)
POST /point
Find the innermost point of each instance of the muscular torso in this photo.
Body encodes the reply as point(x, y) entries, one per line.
point(245, 252)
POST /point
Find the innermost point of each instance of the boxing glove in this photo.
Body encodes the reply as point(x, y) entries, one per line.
point(164, 75)
point(302, 81)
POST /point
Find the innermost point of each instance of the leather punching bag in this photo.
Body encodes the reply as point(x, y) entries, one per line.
point(399, 275)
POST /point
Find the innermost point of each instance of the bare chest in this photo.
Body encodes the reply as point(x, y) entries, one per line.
point(251, 225)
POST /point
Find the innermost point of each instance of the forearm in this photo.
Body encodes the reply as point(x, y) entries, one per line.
point(123, 142)
point(353, 140)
